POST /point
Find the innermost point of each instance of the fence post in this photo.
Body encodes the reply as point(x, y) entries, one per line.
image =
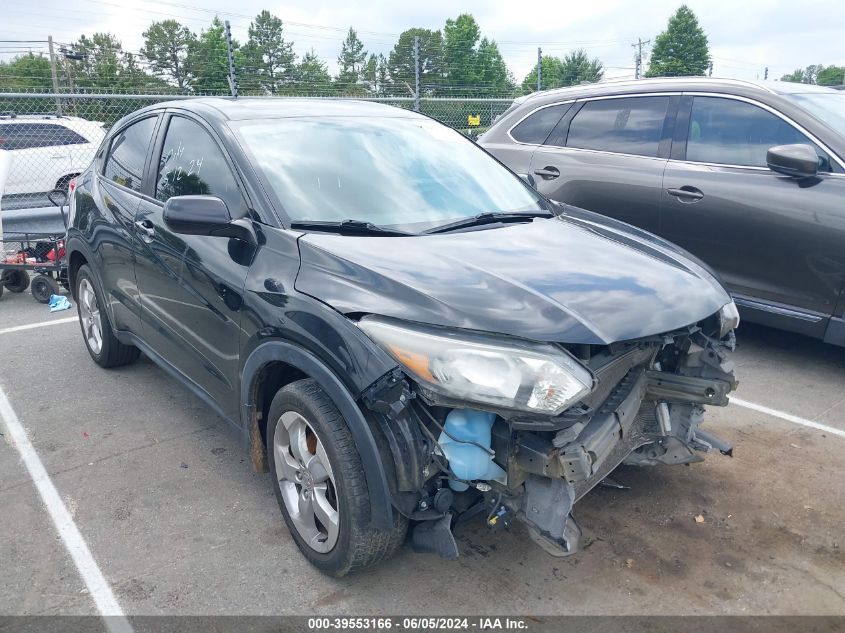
point(232, 77)
point(416, 73)
point(539, 69)
point(55, 76)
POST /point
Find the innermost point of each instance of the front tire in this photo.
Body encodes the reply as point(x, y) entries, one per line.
point(97, 333)
point(320, 485)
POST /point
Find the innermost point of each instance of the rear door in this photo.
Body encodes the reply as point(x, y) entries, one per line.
point(607, 154)
point(192, 285)
point(774, 239)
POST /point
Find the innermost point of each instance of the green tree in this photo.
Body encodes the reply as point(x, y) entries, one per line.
point(831, 76)
point(550, 76)
point(374, 75)
point(166, 47)
point(681, 49)
point(578, 68)
point(494, 78)
point(208, 61)
point(351, 61)
point(135, 79)
point(26, 73)
point(796, 76)
point(400, 62)
point(460, 58)
point(269, 60)
point(575, 67)
point(808, 75)
point(102, 62)
point(312, 74)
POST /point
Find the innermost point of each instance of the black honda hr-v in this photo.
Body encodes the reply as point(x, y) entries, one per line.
point(402, 330)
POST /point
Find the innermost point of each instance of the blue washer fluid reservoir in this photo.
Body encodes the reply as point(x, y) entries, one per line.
point(468, 461)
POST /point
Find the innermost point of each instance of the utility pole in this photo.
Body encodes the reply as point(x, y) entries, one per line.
point(55, 76)
point(416, 73)
point(539, 69)
point(638, 59)
point(232, 77)
point(710, 69)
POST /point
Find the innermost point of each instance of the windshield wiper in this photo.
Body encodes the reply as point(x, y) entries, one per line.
point(490, 218)
point(346, 227)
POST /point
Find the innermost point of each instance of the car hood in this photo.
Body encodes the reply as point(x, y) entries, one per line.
point(570, 279)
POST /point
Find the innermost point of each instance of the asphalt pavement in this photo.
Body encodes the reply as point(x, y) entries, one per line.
point(162, 494)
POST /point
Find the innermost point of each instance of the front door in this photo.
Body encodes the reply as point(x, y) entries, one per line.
point(609, 158)
point(773, 239)
point(192, 286)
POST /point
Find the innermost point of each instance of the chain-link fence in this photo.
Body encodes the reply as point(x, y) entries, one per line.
point(52, 138)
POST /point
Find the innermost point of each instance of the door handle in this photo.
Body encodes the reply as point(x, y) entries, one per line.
point(146, 229)
point(548, 172)
point(686, 194)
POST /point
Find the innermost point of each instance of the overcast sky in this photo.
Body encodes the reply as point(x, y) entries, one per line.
point(745, 35)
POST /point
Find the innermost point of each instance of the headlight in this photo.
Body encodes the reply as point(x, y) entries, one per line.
point(728, 318)
point(485, 369)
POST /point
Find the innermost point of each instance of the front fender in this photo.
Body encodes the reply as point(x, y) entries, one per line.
point(270, 351)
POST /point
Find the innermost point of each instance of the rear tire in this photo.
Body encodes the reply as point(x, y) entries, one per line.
point(43, 287)
point(15, 280)
point(305, 428)
point(97, 332)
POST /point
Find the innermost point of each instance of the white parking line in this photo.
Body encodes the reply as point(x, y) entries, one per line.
point(787, 416)
point(98, 587)
point(32, 326)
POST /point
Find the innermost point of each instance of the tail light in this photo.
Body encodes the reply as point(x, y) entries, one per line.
point(71, 186)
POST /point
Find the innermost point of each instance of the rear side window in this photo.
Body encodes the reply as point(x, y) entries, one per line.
point(192, 164)
point(731, 132)
point(15, 136)
point(632, 125)
point(125, 164)
point(536, 127)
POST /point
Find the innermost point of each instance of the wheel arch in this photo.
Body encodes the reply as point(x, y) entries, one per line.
point(276, 363)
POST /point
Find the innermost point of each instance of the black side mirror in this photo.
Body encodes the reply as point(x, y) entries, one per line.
point(206, 215)
point(58, 197)
point(799, 160)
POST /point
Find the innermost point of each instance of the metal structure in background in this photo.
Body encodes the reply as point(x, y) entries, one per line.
point(417, 73)
point(48, 150)
point(539, 69)
point(230, 55)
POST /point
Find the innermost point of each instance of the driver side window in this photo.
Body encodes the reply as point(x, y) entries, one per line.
point(193, 164)
point(731, 132)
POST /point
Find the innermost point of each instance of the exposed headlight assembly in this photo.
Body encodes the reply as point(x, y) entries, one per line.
point(485, 369)
point(728, 318)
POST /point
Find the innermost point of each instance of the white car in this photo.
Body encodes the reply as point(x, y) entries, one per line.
point(47, 151)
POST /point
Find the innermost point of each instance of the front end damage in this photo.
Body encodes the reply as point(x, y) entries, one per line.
point(645, 408)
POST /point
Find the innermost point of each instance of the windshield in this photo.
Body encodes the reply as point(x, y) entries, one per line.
point(827, 107)
point(407, 173)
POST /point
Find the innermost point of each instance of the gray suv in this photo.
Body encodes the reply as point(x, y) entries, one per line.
point(749, 177)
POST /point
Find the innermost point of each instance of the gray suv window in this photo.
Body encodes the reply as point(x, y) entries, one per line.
point(125, 164)
point(536, 127)
point(731, 132)
point(631, 125)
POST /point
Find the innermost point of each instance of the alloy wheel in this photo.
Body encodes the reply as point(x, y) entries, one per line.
point(306, 481)
point(89, 315)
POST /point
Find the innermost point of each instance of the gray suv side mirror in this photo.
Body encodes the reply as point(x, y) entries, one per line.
point(799, 160)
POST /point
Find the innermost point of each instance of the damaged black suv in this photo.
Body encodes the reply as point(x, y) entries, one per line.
point(404, 332)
